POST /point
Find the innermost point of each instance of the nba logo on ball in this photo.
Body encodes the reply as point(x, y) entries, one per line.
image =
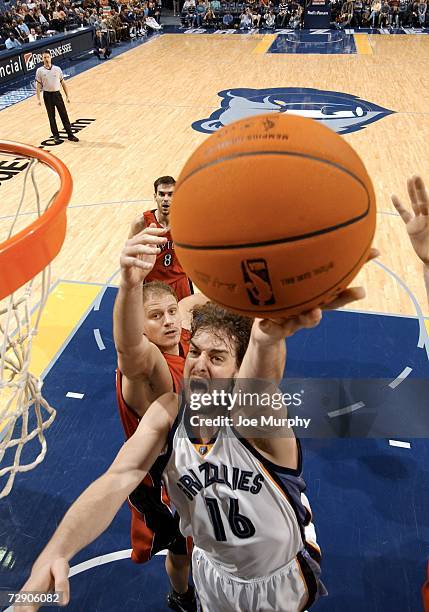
point(266, 191)
point(257, 282)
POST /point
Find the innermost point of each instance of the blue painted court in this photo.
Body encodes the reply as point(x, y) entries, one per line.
point(332, 42)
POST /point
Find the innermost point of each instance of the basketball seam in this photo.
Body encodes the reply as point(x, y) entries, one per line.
point(255, 313)
point(277, 240)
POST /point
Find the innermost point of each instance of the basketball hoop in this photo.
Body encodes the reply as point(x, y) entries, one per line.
point(25, 257)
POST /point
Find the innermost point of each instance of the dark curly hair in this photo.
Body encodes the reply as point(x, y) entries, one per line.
point(222, 322)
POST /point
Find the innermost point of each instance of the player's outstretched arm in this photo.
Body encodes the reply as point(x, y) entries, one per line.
point(140, 361)
point(94, 510)
point(417, 222)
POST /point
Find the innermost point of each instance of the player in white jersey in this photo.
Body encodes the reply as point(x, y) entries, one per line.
point(220, 349)
point(254, 544)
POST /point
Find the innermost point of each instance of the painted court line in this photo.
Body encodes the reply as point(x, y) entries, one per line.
point(401, 377)
point(399, 444)
point(103, 291)
point(74, 395)
point(99, 340)
point(103, 559)
point(423, 341)
point(346, 409)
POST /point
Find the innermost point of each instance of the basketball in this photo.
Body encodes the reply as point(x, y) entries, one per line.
point(273, 215)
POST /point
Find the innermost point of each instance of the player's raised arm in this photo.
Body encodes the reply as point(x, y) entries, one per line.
point(94, 510)
point(138, 359)
point(417, 222)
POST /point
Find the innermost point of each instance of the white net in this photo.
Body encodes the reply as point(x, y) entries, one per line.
point(24, 413)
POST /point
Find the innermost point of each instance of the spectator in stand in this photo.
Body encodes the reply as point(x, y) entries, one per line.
point(30, 19)
point(12, 42)
point(295, 19)
point(346, 15)
point(246, 20)
point(357, 13)
point(209, 18)
point(44, 23)
point(421, 12)
point(283, 16)
point(200, 11)
point(394, 13)
point(101, 45)
point(384, 14)
point(25, 30)
point(228, 19)
point(375, 13)
point(270, 19)
point(154, 12)
point(176, 8)
point(188, 11)
point(414, 11)
point(403, 13)
point(34, 35)
point(18, 33)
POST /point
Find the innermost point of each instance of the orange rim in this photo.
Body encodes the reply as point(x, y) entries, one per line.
point(29, 251)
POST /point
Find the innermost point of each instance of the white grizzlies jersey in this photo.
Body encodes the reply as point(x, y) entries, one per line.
point(247, 514)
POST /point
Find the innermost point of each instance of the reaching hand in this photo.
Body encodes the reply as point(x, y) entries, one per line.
point(48, 576)
point(269, 330)
point(138, 256)
point(417, 224)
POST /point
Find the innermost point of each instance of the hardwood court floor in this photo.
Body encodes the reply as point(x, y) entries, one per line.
point(144, 102)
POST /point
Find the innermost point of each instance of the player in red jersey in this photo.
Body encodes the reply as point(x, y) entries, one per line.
point(167, 267)
point(152, 339)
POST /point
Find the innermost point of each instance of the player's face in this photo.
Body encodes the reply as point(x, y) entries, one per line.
point(163, 198)
point(211, 356)
point(163, 323)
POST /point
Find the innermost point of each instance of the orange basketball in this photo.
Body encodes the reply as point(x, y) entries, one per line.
point(273, 215)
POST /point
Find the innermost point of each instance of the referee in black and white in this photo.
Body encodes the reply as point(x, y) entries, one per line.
point(50, 79)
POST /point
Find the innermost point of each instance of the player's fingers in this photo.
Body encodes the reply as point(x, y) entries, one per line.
point(143, 238)
point(422, 196)
point(346, 297)
point(310, 318)
point(155, 230)
point(60, 572)
point(128, 262)
point(141, 249)
point(373, 254)
point(412, 192)
point(405, 214)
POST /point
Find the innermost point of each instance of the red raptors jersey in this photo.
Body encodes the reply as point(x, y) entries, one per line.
point(167, 268)
point(176, 363)
point(154, 526)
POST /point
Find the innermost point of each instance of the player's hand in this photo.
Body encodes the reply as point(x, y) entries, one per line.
point(46, 576)
point(417, 224)
point(352, 294)
point(269, 330)
point(138, 256)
